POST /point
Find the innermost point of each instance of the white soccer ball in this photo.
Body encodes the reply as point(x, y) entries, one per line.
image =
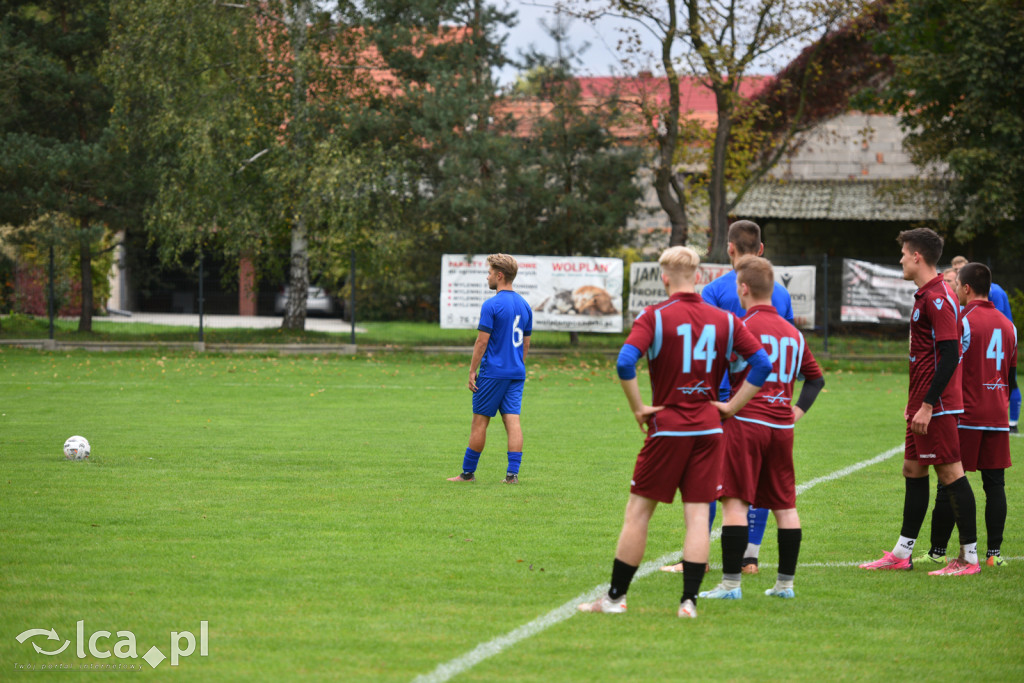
point(77, 448)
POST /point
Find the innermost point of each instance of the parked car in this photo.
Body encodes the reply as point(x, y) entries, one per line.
point(318, 302)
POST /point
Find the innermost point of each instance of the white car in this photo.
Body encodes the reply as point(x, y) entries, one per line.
point(317, 301)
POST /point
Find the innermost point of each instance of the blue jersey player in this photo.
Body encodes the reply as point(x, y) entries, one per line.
point(497, 371)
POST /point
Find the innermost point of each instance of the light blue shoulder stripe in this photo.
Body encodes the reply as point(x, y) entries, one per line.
point(728, 350)
point(655, 349)
point(800, 356)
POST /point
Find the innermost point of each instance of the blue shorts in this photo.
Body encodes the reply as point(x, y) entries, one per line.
point(498, 395)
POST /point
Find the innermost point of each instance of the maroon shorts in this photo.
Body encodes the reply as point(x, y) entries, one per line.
point(940, 446)
point(758, 465)
point(984, 449)
point(690, 464)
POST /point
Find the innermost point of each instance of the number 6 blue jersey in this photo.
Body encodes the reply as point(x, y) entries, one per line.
point(509, 320)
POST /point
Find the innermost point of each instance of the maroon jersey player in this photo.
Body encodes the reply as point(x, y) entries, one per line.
point(758, 465)
point(989, 363)
point(688, 346)
point(935, 400)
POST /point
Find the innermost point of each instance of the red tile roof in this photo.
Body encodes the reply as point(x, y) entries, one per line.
point(636, 94)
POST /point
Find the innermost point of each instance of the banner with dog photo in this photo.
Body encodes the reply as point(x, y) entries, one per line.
point(566, 293)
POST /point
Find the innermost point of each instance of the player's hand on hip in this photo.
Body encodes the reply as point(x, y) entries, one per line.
point(644, 413)
point(472, 381)
point(919, 423)
point(725, 411)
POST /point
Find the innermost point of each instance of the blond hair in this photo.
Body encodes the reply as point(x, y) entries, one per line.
point(959, 262)
point(679, 264)
point(504, 264)
point(756, 273)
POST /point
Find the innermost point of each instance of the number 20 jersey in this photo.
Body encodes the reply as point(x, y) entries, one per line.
point(688, 345)
point(791, 360)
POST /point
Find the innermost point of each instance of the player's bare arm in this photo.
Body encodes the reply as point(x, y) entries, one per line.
point(478, 354)
point(746, 392)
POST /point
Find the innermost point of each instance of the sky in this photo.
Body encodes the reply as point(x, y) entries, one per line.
point(599, 58)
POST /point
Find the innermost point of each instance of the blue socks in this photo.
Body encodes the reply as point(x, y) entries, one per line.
point(757, 520)
point(470, 460)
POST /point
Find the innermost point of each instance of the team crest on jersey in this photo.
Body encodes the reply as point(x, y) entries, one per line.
point(938, 303)
point(995, 384)
point(697, 386)
point(917, 314)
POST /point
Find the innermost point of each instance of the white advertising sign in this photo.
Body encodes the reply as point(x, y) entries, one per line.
point(874, 293)
point(567, 293)
point(645, 288)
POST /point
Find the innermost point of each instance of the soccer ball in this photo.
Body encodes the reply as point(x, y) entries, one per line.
point(77, 448)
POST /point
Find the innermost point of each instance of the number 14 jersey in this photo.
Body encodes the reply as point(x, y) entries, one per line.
point(688, 345)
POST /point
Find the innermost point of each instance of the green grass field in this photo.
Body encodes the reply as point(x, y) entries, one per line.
point(298, 505)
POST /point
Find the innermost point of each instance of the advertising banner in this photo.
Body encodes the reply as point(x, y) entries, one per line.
point(874, 293)
point(567, 293)
point(645, 286)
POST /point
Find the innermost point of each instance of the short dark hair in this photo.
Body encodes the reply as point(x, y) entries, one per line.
point(978, 277)
point(924, 241)
point(756, 273)
point(746, 236)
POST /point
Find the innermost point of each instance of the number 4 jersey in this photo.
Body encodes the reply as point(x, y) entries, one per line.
point(508, 318)
point(989, 351)
point(791, 360)
point(688, 345)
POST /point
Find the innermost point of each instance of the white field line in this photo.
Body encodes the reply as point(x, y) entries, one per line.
point(454, 667)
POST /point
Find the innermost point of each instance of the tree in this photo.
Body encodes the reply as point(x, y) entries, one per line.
point(958, 87)
point(720, 41)
point(486, 181)
point(56, 153)
point(242, 107)
point(578, 186)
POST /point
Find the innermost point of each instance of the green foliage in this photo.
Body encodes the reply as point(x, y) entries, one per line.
point(26, 257)
point(958, 86)
point(1016, 298)
point(244, 110)
point(57, 151)
point(476, 184)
